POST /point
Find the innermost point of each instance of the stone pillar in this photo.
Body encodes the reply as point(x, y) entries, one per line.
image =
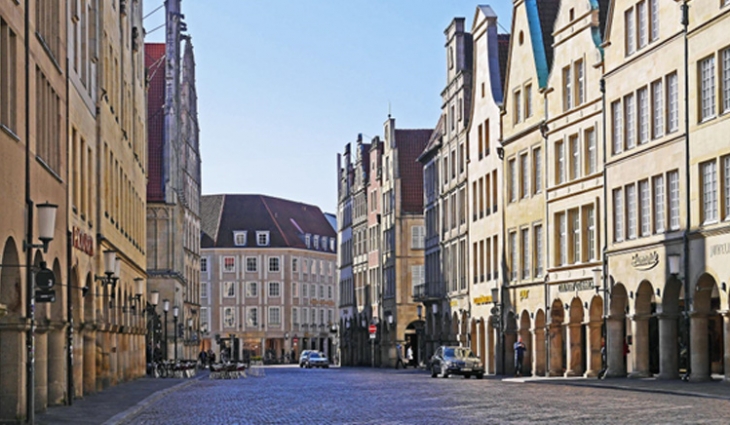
point(668, 359)
point(41, 369)
point(593, 348)
point(615, 347)
point(640, 351)
point(89, 361)
point(78, 364)
point(538, 352)
point(57, 366)
point(575, 346)
point(726, 348)
point(556, 350)
point(13, 367)
point(509, 352)
point(699, 348)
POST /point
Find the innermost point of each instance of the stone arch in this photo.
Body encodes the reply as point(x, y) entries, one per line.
point(539, 359)
point(706, 330)
point(91, 295)
point(11, 293)
point(557, 351)
point(474, 336)
point(454, 327)
point(509, 339)
point(645, 332)
point(525, 333)
point(595, 336)
point(482, 344)
point(58, 308)
point(492, 345)
point(575, 335)
point(616, 331)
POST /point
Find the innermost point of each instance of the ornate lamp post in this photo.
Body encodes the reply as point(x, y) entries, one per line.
point(175, 313)
point(165, 309)
point(151, 342)
point(497, 319)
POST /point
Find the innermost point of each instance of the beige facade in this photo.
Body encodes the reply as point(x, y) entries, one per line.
point(484, 170)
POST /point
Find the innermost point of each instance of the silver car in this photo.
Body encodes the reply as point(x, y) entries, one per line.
point(317, 359)
point(456, 361)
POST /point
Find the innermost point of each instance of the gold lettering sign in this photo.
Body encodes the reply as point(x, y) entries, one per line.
point(524, 294)
point(454, 303)
point(483, 299)
point(719, 249)
point(645, 261)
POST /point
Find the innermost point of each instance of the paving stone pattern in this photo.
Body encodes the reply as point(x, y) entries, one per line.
point(289, 395)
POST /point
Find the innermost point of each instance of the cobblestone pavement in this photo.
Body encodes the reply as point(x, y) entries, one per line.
point(289, 395)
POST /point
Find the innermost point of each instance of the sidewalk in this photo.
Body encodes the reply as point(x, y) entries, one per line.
point(113, 404)
point(712, 389)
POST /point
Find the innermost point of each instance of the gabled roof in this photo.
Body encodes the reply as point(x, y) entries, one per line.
point(541, 20)
point(410, 144)
point(155, 64)
point(286, 221)
point(434, 141)
point(503, 41)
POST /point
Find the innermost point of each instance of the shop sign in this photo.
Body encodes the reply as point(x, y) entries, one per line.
point(82, 241)
point(719, 249)
point(454, 303)
point(645, 261)
point(483, 299)
point(524, 294)
point(581, 285)
point(322, 303)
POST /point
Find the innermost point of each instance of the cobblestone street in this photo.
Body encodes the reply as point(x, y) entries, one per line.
point(288, 395)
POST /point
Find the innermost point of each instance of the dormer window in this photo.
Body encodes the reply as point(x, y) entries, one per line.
point(239, 238)
point(307, 240)
point(332, 244)
point(262, 238)
point(324, 243)
point(316, 241)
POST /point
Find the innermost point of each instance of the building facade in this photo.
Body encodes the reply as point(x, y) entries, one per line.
point(269, 285)
point(173, 189)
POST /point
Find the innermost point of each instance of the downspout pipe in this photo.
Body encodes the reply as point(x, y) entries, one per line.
point(30, 290)
point(546, 280)
point(688, 224)
point(604, 248)
point(69, 289)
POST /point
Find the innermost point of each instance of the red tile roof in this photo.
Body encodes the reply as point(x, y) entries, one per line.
point(155, 64)
point(410, 144)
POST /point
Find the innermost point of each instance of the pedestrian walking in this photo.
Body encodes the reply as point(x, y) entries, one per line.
point(409, 355)
point(604, 361)
point(399, 356)
point(519, 355)
point(203, 358)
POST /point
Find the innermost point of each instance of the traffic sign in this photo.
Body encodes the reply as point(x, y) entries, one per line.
point(45, 296)
point(372, 329)
point(372, 336)
point(45, 278)
point(295, 340)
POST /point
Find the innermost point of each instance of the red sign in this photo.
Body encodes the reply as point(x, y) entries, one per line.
point(372, 329)
point(82, 241)
point(295, 340)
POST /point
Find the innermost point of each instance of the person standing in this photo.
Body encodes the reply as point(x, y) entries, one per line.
point(409, 355)
point(519, 355)
point(399, 356)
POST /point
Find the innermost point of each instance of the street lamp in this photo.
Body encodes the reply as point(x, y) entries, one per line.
point(497, 319)
point(166, 308)
point(46, 227)
point(175, 312)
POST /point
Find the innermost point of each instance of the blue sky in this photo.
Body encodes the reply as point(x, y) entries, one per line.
point(284, 85)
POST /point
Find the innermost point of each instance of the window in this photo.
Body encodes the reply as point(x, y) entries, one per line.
point(295, 316)
point(239, 238)
point(629, 113)
point(618, 215)
point(528, 100)
point(579, 82)
point(654, 10)
point(274, 316)
point(229, 264)
point(294, 287)
point(525, 176)
point(274, 264)
point(229, 289)
point(512, 180)
point(329, 292)
point(567, 89)
point(203, 290)
point(252, 318)
point(562, 238)
point(313, 290)
point(518, 106)
point(709, 191)
point(252, 289)
point(321, 291)
point(591, 163)
point(203, 265)
point(672, 103)
point(48, 123)
point(307, 238)
point(559, 162)
point(513, 255)
point(725, 80)
point(575, 232)
point(295, 265)
point(642, 19)
point(315, 241)
point(262, 238)
point(537, 241)
point(657, 106)
point(418, 235)
point(631, 212)
point(251, 264)
point(589, 215)
point(630, 29)
point(229, 317)
point(643, 99)
point(525, 257)
point(574, 147)
point(707, 88)
point(418, 278)
point(659, 204)
point(617, 128)
point(8, 77)
point(274, 289)
point(304, 290)
point(645, 207)
point(537, 170)
point(673, 181)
